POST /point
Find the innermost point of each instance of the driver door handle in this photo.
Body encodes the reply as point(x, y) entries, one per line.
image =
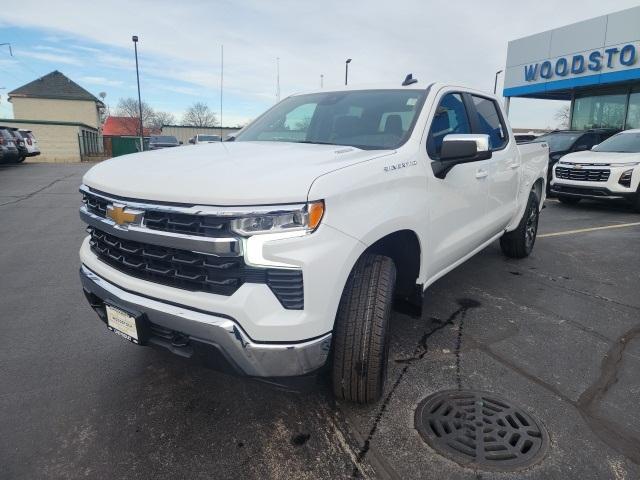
point(514, 165)
point(481, 173)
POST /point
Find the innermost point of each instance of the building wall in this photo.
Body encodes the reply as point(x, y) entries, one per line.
point(57, 143)
point(77, 111)
point(183, 134)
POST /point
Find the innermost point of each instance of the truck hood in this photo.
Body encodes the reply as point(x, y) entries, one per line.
point(229, 173)
point(590, 157)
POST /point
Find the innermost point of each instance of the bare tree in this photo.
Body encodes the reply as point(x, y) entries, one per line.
point(562, 116)
point(162, 118)
point(199, 115)
point(128, 107)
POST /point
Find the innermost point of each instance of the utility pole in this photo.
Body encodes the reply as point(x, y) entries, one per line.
point(495, 82)
point(221, 84)
point(135, 47)
point(277, 79)
point(346, 70)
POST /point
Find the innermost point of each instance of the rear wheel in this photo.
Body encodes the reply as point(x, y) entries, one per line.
point(568, 200)
point(360, 338)
point(20, 159)
point(519, 243)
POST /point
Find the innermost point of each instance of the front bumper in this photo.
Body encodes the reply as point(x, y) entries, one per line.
point(189, 332)
point(590, 192)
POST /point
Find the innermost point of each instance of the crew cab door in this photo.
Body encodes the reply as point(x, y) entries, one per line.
point(504, 166)
point(457, 203)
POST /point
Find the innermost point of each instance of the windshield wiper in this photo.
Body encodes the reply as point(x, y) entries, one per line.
point(320, 143)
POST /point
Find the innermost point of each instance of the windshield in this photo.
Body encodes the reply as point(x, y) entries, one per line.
point(621, 143)
point(164, 139)
point(367, 119)
point(558, 142)
point(208, 138)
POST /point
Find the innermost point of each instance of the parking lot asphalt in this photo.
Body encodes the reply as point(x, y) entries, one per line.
point(557, 333)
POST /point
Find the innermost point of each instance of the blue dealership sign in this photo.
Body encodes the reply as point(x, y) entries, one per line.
point(596, 61)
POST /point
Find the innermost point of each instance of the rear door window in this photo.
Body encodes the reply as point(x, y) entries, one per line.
point(490, 122)
point(450, 118)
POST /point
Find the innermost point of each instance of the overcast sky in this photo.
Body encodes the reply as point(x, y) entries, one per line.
point(461, 41)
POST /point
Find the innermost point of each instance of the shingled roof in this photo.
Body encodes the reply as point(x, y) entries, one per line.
point(54, 85)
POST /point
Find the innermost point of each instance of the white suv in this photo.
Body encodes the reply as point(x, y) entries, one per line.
point(30, 142)
point(609, 171)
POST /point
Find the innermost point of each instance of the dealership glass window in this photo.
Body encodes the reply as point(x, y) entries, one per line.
point(633, 112)
point(599, 110)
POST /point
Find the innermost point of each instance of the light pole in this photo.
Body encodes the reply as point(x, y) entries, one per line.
point(321, 80)
point(495, 82)
point(135, 47)
point(346, 70)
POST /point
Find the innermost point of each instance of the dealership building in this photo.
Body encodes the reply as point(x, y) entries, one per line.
point(594, 63)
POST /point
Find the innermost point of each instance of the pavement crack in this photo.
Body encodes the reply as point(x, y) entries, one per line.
point(610, 433)
point(32, 194)
point(419, 352)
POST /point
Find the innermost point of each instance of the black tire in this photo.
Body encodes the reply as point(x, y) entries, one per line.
point(519, 243)
point(636, 202)
point(568, 200)
point(360, 337)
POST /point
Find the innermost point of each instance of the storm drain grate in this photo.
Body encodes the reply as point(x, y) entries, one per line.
point(479, 429)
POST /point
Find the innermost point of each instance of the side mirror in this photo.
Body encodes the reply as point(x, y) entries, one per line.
point(592, 148)
point(461, 148)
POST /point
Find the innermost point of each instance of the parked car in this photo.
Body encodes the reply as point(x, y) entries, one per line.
point(30, 142)
point(8, 146)
point(23, 152)
point(524, 137)
point(201, 138)
point(157, 142)
point(562, 142)
point(610, 171)
point(280, 251)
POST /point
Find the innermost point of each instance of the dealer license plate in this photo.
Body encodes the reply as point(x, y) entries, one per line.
point(122, 323)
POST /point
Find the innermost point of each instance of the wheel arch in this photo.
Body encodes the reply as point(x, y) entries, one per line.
point(403, 247)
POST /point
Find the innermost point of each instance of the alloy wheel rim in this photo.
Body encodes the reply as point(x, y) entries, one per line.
point(531, 227)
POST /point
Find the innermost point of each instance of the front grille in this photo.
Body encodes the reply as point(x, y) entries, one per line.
point(194, 271)
point(166, 221)
point(583, 174)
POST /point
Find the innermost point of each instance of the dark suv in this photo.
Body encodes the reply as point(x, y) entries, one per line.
point(162, 141)
point(562, 142)
point(20, 144)
point(8, 148)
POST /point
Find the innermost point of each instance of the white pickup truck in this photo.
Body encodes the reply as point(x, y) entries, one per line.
point(282, 251)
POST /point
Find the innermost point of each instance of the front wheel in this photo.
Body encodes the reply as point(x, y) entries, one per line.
point(360, 338)
point(519, 243)
point(636, 202)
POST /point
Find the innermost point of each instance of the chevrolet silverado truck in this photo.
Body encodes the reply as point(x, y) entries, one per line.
point(282, 251)
point(610, 171)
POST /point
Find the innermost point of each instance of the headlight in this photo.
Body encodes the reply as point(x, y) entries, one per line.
point(286, 219)
point(632, 164)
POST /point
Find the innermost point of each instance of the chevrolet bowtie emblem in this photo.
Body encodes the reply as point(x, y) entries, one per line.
point(122, 215)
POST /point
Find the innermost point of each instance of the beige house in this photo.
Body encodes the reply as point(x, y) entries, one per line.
point(64, 117)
